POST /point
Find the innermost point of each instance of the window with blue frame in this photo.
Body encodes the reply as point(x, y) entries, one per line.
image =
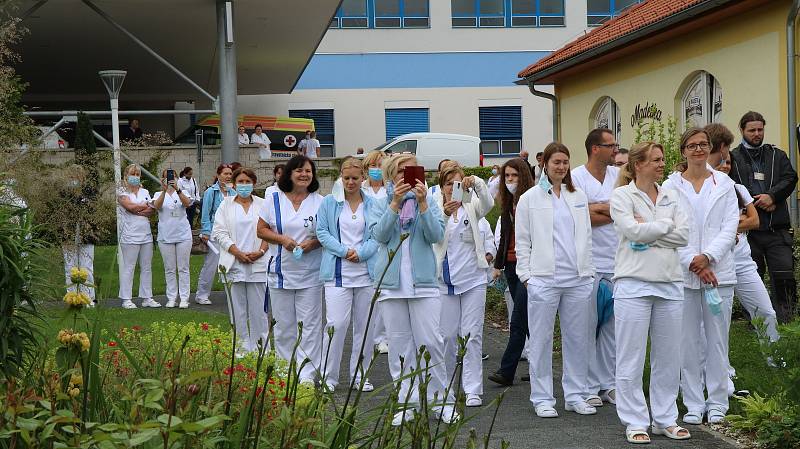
point(382, 14)
point(507, 13)
point(406, 120)
point(500, 130)
point(600, 11)
point(323, 125)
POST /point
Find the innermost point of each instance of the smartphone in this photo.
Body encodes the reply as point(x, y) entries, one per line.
point(412, 173)
point(170, 175)
point(458, 192)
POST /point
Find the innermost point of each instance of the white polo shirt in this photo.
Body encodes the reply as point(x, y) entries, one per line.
point(173, 226)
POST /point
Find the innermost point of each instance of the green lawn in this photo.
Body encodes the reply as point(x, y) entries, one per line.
point(106, 272)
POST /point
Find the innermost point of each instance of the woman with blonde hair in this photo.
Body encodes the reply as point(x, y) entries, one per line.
point(648, 294)
point(709, 200)
point(461, 254)
point(135, 238)
point(347, 269)
point(410, 222)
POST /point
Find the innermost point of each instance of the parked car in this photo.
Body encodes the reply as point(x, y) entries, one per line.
point(431, 148)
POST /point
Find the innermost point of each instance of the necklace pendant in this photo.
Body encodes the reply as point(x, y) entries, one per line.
point(354, 216)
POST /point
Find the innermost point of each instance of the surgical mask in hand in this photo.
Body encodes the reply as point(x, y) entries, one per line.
point(714, 301)
point(134, 180)
point(244, 190)
point(544, 182)
point(511, 187)
point(297, 253)
point(375, 174)
point(636, 246)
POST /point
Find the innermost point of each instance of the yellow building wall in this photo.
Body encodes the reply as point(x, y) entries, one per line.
point(746, 54)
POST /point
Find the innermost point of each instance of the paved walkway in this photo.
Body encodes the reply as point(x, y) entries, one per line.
point(516, 421)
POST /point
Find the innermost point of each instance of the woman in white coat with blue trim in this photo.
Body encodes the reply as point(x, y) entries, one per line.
point(461, 257)
point(709, 200)
point(348, 272)
point(242, 256)
point(554, 261)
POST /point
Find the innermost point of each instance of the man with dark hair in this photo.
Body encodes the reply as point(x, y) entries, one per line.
point(720, 137)
point(768, 175)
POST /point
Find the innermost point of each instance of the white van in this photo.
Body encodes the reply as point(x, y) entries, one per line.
point(431, 148)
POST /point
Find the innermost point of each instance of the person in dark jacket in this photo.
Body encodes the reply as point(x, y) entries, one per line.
point(768, 175)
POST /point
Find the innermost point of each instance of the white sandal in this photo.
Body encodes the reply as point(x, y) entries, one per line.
point(631, 435)
point(695, 418)
point(672, 434)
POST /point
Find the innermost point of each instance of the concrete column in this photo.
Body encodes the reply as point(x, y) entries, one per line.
point(226, 52)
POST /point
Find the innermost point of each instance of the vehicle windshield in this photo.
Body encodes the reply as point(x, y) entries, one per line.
point(385, 144)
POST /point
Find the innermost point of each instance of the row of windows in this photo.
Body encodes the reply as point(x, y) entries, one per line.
point(500, 127)
point(470, 13)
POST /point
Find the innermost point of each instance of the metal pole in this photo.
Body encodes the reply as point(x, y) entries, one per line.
point(32, 9)
point(791, 77)
point(117, 174)
point(143, 112)
point(152, 52)
point(554, 100)
point(226, 51)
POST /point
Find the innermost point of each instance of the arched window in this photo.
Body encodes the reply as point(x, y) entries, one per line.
point(607, 115)
point(701, 100)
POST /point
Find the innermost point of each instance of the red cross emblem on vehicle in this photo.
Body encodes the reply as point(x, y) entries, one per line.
point(289, 141)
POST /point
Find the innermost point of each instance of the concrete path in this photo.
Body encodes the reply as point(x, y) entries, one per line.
point(516, 421)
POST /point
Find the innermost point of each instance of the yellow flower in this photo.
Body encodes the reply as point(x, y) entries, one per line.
point(79, 275)
point(76, 380)
point(73, 391)
point(77, 299)
point(68, 338)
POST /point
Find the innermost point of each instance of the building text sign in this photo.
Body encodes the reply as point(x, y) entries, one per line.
point(640, 113)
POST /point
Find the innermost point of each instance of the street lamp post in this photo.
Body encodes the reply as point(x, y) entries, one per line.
point(113, 79)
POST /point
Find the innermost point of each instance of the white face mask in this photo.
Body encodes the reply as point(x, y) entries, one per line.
point(512, 188)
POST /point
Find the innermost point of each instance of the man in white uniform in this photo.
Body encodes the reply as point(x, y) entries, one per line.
point(312, 146)
point(597, 179)
point(263, 142)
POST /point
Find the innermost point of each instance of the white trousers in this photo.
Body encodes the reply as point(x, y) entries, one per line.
point(662, 319)
point(754, 297)
point(206, 279)
point(510, 310)
point(413, 322)
point(79, 256)
point(697, 317)
point(176, 260)
point(462, 315)
point(572, 305)
point(379, 331)
point(342, 304)
point(130, 254)
point(252, 323)
point(602, 349)
point(290, 307)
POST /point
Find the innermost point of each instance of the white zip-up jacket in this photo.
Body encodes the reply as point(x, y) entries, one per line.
point(665, 228)
point(533, 227)
point(476, 206)
point(224, 233)
point(714, 234)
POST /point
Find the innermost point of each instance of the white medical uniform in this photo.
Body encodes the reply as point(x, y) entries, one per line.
point(379, 327)
point(602, 350)
point(348, 295)
point(295, 291)
point(175, 245)
point(263, 152)
point(309, 149)
point(136, 243)
point(243, 139)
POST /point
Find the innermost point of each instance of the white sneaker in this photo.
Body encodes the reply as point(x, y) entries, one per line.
point(128, 304)
point(609, 396)
point(581, 408)
point(203, 301)
point(170, 304)
point(447, 413)
point(150, 302)
point(184, 305)
point(474, 400)
point(545, 411)
point(330, 387)
point(364, 389)
point(594, 400)
point(403, 416)
point(383, 347)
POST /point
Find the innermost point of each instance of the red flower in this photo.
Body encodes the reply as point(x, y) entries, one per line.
point(169, 364)
point(217, 341)
point(259, 390)
point(239, 367)
point(271, 381)
point(204, 326)
point(136, 328)
point(111, 344)
point(227, 371)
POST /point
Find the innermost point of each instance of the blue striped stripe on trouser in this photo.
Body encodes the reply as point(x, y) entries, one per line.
point(451, 290)
point(277, 202)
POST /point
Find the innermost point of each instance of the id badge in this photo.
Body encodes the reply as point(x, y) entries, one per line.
point(467, 237)
point(176, 213)
point(758, 176)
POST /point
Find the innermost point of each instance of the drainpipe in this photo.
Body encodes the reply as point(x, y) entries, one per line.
point(792, 94)
point(554, 101)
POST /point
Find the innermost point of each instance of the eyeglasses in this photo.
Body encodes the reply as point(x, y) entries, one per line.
point(702, 146)
point(619, 164)
point(609, 145)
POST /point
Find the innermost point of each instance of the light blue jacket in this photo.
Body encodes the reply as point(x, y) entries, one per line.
point(427, 229)
point(212, 198)
point(328, 235)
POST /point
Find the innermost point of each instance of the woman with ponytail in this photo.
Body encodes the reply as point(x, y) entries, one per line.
point(648, 294)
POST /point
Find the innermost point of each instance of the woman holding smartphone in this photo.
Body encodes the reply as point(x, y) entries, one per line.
point(410, 222)
point(212, 198)
point(174, 237)
point(288, 224)
point(461, 254)
point(554, 261)
point(347, 269)
point(648, 294)
point(709, 199)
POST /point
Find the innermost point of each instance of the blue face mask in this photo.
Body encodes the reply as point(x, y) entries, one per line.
point(244, 190)
point(714, 301)
point(375, 174)
point(134, 180)
point(636, 246)
point(544, 182)
point(494, 171)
